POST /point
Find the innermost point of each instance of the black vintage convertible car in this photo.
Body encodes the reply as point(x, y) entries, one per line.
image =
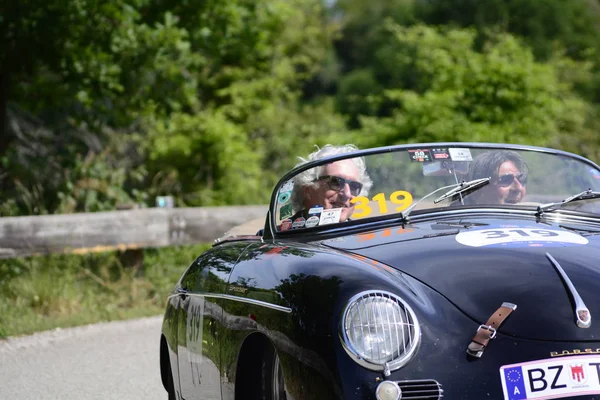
point(454, 270)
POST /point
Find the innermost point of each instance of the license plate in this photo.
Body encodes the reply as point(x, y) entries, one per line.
point(552, 378)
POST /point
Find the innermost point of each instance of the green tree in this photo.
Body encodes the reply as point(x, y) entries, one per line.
point(259, 55)
point(91, 70)
point(357, 95)
point(448, 91)
point(362, 30)
point(33, 34)
point(169, 94)
point(543, 24)
point(204, 159)
point(550, 27)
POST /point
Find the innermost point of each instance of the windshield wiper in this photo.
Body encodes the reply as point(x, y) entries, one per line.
point(457, 188)
point(462, 187)
point(585, 195)
point(580, 230)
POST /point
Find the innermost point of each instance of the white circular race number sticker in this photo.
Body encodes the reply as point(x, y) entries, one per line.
point(519, 237)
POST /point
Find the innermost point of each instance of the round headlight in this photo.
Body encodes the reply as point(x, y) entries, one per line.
point(379, 330)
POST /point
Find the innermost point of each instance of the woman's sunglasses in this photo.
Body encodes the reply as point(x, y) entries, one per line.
point(338, 183)
point(508, 179)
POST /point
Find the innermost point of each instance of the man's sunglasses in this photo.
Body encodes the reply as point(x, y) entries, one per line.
point(338, 183)
point(508, 179)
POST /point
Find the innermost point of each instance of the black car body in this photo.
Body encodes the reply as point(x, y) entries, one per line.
point(437, 297)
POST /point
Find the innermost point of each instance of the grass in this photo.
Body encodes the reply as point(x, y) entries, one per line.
point(46, 292)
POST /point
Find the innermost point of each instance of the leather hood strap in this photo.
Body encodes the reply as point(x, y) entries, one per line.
point(487, 331)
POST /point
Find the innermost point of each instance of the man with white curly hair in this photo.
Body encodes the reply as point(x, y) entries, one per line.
point(331, 186)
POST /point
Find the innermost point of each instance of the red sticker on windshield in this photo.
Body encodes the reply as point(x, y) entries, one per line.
point(286, 224)
point(440, 154)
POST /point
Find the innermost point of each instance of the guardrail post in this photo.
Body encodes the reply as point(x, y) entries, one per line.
point(130, 258)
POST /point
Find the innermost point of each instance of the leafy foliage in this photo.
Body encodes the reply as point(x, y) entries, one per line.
point(46, 292)
point(545, 25)
point(448, 91)
point(207, 158)
point(178, 85)
point(362, 31)
point(110, 103)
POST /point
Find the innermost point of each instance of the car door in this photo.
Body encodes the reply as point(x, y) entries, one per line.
point(200, 316)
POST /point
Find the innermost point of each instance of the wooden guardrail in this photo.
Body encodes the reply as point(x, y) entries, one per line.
point(119, 230)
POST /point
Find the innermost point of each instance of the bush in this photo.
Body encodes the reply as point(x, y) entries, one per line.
point(45, 292)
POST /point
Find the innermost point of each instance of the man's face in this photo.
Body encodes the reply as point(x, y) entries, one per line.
point(323, 194)
point(507, 188)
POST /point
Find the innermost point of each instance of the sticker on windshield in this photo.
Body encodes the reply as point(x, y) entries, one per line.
point(330, 216)
point(420, 155)
point(520, 237)
point(363, 207)
point(287, 187)
point(459, 154)
point(298, 223)
point(284, 197)
point(440, 154)
point(286, 224)
point(286, 211)
point(315, 210)
point(312, 221)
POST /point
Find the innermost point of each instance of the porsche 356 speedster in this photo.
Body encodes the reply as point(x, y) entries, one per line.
point(421, 271)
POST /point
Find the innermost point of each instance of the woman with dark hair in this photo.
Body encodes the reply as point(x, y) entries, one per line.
point(508, 173)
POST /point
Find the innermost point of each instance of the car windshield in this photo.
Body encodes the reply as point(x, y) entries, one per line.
point(394, 180)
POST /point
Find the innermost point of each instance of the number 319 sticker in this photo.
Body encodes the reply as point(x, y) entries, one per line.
point(362, 206)
point(519, 237)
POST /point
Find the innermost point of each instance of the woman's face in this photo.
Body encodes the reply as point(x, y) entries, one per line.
point(508, 187)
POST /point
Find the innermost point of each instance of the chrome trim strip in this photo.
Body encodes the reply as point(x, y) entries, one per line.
point(555, 215)
point(583, 318)
point(469, 211)
point(257, 303)
point(240, 299)
point(564, 215)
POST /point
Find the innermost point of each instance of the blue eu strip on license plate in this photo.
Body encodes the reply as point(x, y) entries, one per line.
point(552, 378)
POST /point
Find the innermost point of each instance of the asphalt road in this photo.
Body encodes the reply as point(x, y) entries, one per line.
point(116, 360)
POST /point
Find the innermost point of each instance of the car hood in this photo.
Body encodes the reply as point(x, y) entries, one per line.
point(477, 265)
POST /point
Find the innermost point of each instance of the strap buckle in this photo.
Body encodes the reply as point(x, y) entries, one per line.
point(489, 328)
point(488, 331)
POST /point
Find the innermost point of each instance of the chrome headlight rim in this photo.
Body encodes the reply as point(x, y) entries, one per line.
point(392, 364)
